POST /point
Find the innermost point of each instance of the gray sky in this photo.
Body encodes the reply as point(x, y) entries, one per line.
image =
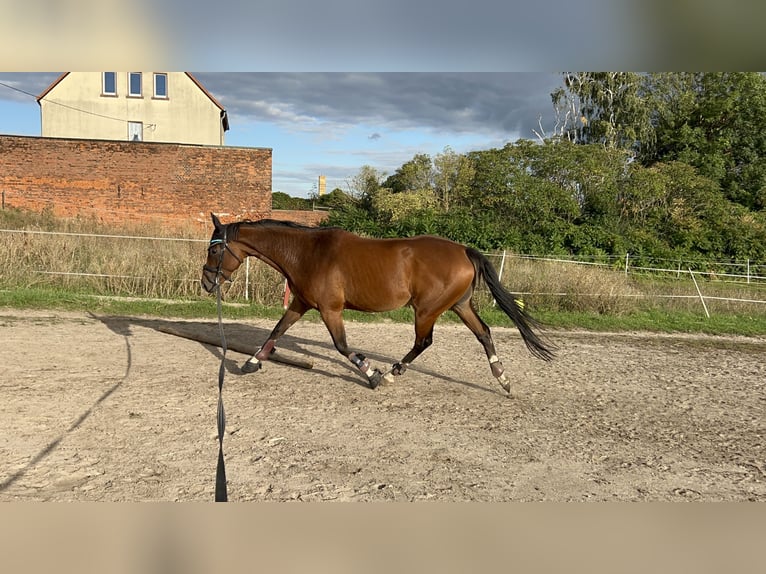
point(490, 103)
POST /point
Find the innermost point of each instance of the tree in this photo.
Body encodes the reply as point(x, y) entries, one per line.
point(281, 200)
point(514, 185)
point(715, 122)
point(607, 108)
point(365, 184)
point(392, 207)
point(452, 177)
point(336, 199)
point(588, 176)
point(414, 175)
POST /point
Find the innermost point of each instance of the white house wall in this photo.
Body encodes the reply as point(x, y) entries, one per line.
point(76, 108)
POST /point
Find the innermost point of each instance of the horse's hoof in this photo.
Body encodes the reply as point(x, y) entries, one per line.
point(375, 379)
point(251, 367)
point(505, 383)
point(398, 369)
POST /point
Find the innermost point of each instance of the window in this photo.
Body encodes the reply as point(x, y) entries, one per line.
point(134, 84)
point(160, 85)
point(109, 84)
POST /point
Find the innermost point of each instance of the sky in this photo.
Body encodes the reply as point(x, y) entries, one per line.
point(332, 124)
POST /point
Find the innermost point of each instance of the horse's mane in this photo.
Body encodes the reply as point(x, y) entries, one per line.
point(234, 227)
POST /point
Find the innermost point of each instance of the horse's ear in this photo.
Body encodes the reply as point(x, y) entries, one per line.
point(216, 222)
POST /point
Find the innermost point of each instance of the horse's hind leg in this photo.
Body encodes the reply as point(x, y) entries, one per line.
point(333, 320)
point(295, 311)
point(424, 336)
point(467, 313)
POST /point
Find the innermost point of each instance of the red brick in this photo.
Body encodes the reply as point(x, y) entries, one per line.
point(135, 182)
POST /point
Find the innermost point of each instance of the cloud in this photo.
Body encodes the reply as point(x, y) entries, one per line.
point(22, 84)
point(375, 136)
point(487, 103)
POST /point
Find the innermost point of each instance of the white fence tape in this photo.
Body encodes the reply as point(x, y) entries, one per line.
point(750, 275)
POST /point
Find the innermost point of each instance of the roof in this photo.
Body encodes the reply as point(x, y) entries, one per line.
point(192, 78)
point(53, 85)
point(208, 94)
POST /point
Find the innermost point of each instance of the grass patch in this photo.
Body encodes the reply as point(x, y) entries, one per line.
point(652, 320)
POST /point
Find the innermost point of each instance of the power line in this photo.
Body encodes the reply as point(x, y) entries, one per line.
point(14, 88)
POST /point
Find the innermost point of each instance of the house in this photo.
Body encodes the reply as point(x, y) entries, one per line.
point(132, 106)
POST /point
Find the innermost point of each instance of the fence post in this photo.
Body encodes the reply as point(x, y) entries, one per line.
point(748, 270)
point(627, 256)
point(699, 292)
point(502, 266)
point(500, 275)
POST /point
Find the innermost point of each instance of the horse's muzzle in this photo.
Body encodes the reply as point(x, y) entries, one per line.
point(207, 284)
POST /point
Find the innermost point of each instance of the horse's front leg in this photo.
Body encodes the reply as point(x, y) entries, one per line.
point(295, 311)
point(333, 320)
point(374, 376)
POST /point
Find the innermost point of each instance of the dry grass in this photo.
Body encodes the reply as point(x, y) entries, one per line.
point(83, 256)
point(579, 288)
point(721, 297)
point(561, 286)
point(138, 264)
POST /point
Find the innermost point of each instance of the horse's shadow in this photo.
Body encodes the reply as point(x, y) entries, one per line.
point(245, 339)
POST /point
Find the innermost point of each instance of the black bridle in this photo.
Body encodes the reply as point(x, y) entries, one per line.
point(218, 269)
point(220, 475)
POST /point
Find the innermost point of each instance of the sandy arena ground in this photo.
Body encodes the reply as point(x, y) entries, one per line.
point(104, 408)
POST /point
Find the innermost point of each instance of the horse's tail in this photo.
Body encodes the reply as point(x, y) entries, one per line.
point(524, 322)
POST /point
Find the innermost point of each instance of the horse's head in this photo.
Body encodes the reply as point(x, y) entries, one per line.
point(222, 259)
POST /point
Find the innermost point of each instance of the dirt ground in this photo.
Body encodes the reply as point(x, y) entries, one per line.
point(104, 408)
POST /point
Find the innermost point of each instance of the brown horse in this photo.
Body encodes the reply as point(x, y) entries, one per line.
point(330, 270)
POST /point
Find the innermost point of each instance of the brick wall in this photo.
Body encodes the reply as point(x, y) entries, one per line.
point(135, 182)
point(312, 218)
